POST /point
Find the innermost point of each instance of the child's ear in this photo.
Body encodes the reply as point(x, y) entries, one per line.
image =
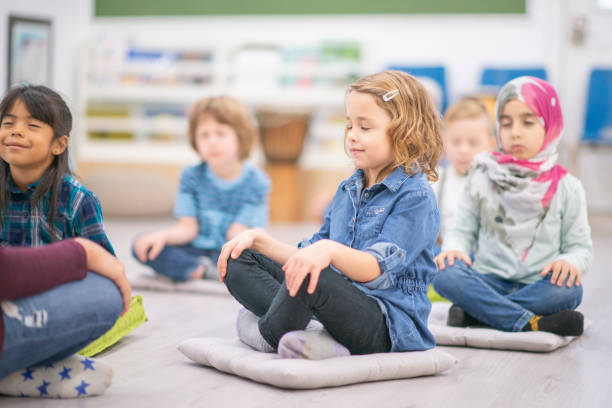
point(59, 145)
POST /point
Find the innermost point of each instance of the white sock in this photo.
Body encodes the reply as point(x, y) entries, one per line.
point(248, 331)
point(74, 377)
point(311, 345)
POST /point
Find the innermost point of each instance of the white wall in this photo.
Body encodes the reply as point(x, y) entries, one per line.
point(71, 23)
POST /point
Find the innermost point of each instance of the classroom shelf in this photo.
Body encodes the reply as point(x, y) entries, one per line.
point(157, 124)
point(173, 153)
point(169, 94)
point(282, 97)
point(135, 98)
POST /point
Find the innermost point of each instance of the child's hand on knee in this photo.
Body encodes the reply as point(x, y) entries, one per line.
point(307, 261)
point(104, 263)
point(562, 270)
point(451, 256)
point(148, 246)
point(234, 248)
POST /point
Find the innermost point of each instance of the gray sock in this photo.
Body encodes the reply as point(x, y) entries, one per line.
point(311, 345)
point(210, 269)
point(248, 331)
point(314, 325)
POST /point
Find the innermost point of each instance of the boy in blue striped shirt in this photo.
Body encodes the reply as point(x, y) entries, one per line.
point(217, 198)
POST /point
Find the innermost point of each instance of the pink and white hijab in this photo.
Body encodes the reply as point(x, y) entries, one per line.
point(514, 194)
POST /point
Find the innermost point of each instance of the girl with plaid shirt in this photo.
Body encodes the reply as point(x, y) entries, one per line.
point(40, 201)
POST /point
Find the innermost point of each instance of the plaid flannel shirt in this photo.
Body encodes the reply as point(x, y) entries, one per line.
point(78, 213)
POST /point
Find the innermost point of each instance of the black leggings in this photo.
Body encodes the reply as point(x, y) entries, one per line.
point(349, 315)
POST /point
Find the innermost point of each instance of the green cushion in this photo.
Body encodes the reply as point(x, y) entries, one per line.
point(124, 325)
point(435, 296)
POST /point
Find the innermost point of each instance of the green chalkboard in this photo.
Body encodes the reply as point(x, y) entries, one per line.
point(116, 8)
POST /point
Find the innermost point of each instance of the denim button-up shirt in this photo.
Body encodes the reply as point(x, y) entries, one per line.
point(397, 221)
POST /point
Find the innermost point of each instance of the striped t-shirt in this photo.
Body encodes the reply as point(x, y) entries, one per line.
point(217, 203)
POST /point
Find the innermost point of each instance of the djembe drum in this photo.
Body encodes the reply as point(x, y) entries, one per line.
point(282, 138)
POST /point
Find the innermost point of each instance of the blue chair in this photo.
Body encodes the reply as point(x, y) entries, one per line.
point(495, 78)
point(436, 73)
point(598, 114)
point(596, 142)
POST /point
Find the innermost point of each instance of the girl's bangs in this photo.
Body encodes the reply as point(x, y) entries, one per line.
point(39, 106)
point(37, 103)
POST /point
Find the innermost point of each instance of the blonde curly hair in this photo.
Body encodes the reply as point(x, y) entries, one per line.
point(415, 122)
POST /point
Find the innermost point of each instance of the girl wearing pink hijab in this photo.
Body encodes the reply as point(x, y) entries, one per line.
point(525, 219)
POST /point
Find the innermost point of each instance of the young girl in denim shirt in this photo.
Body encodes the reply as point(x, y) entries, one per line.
point(364, 275)
point(217, 198)
point(527, 220)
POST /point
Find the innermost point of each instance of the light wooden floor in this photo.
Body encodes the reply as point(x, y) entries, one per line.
point(149, 371)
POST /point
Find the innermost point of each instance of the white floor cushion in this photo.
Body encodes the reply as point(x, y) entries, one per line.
point(490, 338)
point(148, 281)
point(234, 357)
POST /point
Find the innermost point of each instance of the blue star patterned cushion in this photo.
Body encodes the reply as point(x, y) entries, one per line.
point(73, 377)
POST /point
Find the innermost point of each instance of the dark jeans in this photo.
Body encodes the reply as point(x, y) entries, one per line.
point(179, 262)
point(349, 315)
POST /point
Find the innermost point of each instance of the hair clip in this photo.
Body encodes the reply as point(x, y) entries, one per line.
point(390, 95)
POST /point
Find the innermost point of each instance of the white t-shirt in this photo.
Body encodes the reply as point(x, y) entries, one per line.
point(449, 190)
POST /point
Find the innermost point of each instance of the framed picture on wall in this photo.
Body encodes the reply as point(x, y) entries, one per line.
point(29, 51)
